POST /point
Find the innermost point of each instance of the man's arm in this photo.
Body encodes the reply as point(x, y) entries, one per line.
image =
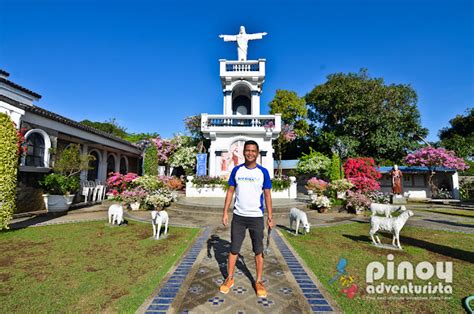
point(268, 204)
point(255, 36)
point(228, 200)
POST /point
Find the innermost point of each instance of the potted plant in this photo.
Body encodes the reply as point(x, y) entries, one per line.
point(316, 186)
point(341, 187)
point(320, 202)
point(357, 201)
point(134, 197)
point(61, 186)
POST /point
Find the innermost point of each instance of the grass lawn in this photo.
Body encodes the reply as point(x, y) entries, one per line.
point(451, 212)
point(323, 247)
point(85, 267)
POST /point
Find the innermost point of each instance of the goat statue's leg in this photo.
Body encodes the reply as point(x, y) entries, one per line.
point(372, 232)
point(398, 240)
point(154, 227)
point(166, 226)
point(158, 230)
point(297, 226)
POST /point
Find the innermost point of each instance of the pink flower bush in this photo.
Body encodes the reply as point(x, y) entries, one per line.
point(357, 201)
point(117, 182)
point(287, 133)
point(316, 185)
point(134, 195)
point(435, 157)
point(432, 157)
point(362, 173)
point(165, 149)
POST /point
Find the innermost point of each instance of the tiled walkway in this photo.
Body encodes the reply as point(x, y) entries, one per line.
point(195, 289)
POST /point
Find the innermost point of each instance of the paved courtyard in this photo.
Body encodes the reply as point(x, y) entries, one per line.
point(192, 286)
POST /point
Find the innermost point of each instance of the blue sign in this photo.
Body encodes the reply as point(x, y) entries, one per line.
point(201, 166)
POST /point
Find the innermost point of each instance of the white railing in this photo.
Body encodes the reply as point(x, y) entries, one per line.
point(250, 67)
point(264, 122)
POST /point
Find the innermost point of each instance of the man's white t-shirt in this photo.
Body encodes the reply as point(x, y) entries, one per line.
point(249, 184)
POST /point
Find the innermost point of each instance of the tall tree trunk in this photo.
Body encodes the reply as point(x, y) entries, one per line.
point(433, 187)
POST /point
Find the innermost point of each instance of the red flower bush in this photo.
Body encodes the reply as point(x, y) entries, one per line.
point(117, 182)
point(362, 173)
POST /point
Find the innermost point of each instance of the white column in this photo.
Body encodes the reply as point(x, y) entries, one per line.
point(227, 103)
point(212, 160)
point(255, 100)
point(455, 177)
point(117, 162)
point(102, 176)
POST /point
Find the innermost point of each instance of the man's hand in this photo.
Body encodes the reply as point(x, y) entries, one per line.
point(270, 223)
point(221, 36)
point(225, 220)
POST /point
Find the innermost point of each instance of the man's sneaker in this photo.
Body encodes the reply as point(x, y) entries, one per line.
point(227, 285)
point(260, 289)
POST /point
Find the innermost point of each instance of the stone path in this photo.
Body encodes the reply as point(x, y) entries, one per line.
point(194, 286)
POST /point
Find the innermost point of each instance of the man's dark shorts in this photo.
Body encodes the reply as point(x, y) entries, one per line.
point(239, 226)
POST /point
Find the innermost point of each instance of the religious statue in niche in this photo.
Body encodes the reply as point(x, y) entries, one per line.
point(396, 180)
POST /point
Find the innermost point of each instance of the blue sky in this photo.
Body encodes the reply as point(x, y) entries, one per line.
point(149, 64)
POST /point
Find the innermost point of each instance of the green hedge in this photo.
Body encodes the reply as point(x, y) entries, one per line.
point(8, 169)
point(150, 162)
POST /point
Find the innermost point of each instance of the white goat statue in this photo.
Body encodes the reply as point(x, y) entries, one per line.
point(159, 218)
point(392, 225)
point(300, 217)
point(115, 214)
point(385, 209)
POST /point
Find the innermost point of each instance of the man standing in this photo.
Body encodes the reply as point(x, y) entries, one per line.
point(251, 183)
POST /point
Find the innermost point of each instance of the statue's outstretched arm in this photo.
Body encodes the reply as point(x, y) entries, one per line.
point(228, 37)
point(256, 36)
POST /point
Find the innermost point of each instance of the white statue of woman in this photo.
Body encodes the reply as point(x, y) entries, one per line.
point(242, 39)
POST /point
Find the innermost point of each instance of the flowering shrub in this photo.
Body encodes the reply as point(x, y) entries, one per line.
point(362, 173)
point(316, 185)
point(280, 183)
point(117, 182)
point(207, 181)
point(184, 157)
point(149, 183)
point(135, 195)
point(379, 197)
point(173, 183)
point(341, 185)
point(435, 157)
point(357, 201)
point(22, 144)
point(165, 148)
point(313, 163)
point(160, 198)
point(320, 201)
point(444, 194)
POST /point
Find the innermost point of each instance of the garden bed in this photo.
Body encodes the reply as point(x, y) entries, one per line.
point(85, 267)
point(323, 247)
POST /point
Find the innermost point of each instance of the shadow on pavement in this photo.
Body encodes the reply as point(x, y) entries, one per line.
point(462, 255)
point(35, 220)
point(451, 223)
point(221, 248)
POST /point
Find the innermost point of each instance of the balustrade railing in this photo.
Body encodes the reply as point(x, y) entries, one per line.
point(242, 67)
point(267, 122)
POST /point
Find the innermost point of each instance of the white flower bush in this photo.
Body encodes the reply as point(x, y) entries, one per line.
point(160, 198)
point(320, 201)
point(184, 157)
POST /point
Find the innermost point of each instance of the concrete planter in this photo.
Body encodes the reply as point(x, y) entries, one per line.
point(218, 191)
point(57, 203)
point(135, 206)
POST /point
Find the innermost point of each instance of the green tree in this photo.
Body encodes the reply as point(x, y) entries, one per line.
point(294, 124)
point(293, 110)
point(111, 126)
point(8, 169)
point(335, 171)
point(368, 116)
point(136, 137)
point(459, 137)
